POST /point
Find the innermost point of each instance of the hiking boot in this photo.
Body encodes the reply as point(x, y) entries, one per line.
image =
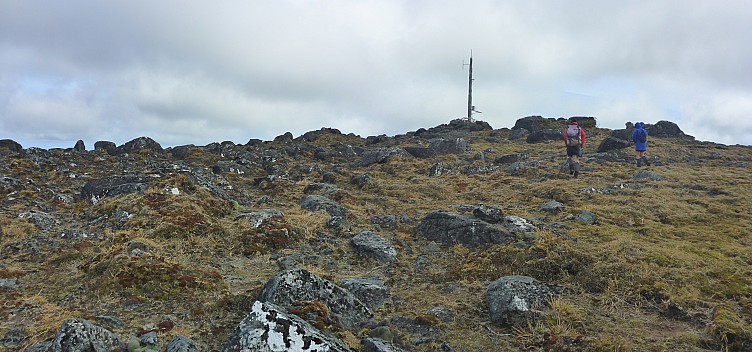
point(576, 170)
point(645, 159)
point(639, 162)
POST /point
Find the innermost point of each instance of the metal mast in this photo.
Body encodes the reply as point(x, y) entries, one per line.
point(470, 92)
point(470, 107)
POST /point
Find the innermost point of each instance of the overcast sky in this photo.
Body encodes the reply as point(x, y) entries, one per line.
point(196, 72)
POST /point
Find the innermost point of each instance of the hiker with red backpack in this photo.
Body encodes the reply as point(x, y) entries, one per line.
point(574, 139)
point(640, 139)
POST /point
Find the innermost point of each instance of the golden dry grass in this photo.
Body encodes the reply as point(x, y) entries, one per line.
point(666, 266)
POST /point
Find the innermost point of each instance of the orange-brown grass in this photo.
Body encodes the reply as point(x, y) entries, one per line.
point(665, 267)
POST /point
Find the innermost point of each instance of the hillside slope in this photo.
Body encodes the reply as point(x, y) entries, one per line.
point(646, 259)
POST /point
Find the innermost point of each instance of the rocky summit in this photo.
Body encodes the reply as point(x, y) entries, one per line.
point(459, 237)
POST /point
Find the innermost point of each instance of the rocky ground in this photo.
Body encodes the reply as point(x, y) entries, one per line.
point(459, 237)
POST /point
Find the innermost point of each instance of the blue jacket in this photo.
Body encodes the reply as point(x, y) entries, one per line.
point(639, 146)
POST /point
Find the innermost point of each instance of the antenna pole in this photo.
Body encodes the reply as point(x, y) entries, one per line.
point(470, 92)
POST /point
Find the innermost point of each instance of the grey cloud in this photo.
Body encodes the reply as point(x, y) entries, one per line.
point(196, 72)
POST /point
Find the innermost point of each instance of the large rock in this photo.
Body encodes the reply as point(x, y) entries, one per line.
point(372, 157)
point(301, 285)
point(421, 152)
point(515, 300)
point(109, 147)
point(664, 129)
point(140, 143)
point(613, 143)
point(444, 146)
point(451, 228)
point(114, 185)
point(369, 244)
point(11, 145)
point(378, 345)
point(316, 203)
point(79, 335)
point(80, 146)
point(488, 213)
point(370, 291)
point(545, 135)
point(531, 123)
point(269, 328)
point(181, 344)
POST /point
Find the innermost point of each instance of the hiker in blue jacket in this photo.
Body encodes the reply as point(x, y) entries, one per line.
point(640, 139)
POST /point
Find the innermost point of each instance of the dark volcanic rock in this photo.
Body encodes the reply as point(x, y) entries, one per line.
point(421, 152)
point(545, 135)
point(11, 145)
point(372, 157)
point(450, 228)
point(140, 143)
point(80, 146)
point(531, 123)
point(369, 244)
point(613, 143)
point(270, 328)
point(370, 291)
point(664, 129)
point(109, 147)
point(316, 203)
point(444, 146)
point(112, 186)
point(290, 286)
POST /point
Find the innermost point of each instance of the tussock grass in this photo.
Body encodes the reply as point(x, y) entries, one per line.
point(665, 267)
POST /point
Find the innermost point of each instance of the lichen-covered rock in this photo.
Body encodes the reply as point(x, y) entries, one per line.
point(43, 220)
point(444, 146)
point(514, 300)
point(370, 291)
point(586, 217)
point(518, 225)
point(257, 218)
point(552, 207)
point(301, 285)
point(488, 213)
point(369, 244)
point(451, 228)
point(269, 328)
point(114, 185)
point(377, 345)
point(316, 203)
point(79, 335)
point(181, 344)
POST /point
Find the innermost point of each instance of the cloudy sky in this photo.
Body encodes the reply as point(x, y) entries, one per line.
point(196, 72)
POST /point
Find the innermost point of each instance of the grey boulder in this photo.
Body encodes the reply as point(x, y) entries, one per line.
point(269, 328)
point(290, 286)
point(515, 300)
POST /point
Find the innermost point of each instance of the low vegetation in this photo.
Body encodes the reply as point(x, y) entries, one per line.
point(667, 266)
